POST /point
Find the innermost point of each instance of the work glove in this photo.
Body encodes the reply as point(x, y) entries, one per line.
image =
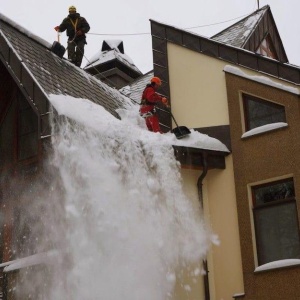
point(79, 32)
point(165, 101)
point(56, 28)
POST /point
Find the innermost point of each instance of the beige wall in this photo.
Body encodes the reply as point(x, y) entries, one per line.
point(199, 99)
point(224, 261)
point(197, 88)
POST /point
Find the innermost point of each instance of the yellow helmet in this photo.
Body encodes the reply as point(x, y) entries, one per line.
point(72, 8)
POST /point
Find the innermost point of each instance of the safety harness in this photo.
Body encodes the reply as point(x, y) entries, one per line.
point(149, 113)
point(74, 23)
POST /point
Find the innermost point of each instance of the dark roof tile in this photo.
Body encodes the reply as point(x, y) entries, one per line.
point(134, 89)
point(55, 75)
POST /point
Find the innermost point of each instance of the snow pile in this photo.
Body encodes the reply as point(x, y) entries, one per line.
point(129, 226)
point(108, 55)
point(131, 117)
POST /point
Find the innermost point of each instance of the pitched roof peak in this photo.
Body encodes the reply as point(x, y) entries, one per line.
point(238, 33)
point(257, 33)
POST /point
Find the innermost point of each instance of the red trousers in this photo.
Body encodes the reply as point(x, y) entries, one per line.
point(153, 123)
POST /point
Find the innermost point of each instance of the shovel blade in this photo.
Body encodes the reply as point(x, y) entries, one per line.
point(181, 132)
point(58, 49)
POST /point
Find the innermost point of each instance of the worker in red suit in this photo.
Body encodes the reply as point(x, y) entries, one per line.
point(149, 99)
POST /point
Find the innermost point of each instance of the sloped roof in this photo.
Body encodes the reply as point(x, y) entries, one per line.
point(249, 33)
point(39, 72)
point(134, 89)
point(237, 34)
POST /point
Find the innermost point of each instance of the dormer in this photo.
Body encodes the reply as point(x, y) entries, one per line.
point(112, 66)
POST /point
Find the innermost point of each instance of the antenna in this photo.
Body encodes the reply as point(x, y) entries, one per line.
point(257, 4)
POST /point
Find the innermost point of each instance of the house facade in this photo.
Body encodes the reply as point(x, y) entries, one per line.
point(242, 92)
point(240, 88)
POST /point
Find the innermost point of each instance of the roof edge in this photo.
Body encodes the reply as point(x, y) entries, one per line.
point(276, 72)
point(25, 31)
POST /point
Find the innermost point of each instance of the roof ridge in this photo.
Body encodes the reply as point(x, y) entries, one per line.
point(266, 7)
point(257, 22)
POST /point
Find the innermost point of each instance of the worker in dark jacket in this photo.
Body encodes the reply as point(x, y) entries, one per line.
point(76, 27)
point(149, 99)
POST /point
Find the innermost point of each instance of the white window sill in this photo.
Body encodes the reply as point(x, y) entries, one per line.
point(278, 264)
point(264, 128)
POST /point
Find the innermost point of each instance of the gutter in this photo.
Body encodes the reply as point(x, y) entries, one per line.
point(200, 196)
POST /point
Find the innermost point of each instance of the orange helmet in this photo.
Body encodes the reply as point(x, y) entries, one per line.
point(156, 80)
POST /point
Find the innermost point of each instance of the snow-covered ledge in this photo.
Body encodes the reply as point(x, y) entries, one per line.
point(264, 128)
point(278, 264)
point(261, 79)
point(50, 257)
point(239, 295)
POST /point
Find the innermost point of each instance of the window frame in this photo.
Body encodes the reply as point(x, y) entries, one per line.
point(246, 97)
point(259, 248)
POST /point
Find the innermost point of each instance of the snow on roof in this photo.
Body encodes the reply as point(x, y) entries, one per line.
point(261, 79)
point(131, 124)
point(237, 34)
point(250, 23)
point(25, 31)
point(135, 89)
point(109, 55)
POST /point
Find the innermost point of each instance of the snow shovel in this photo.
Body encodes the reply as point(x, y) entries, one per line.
point(57, 48)
point(179, 131)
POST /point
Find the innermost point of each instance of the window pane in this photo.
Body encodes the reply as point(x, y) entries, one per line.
point(277, 232)
point(275, 192)
point(259, 112)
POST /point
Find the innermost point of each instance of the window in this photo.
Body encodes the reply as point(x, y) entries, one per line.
point(267, 48)
point(276, 221)
point(260, 112)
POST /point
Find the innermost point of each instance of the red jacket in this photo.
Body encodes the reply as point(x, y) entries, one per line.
point(150, 97)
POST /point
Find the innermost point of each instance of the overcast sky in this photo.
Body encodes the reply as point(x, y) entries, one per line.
point(132, 16)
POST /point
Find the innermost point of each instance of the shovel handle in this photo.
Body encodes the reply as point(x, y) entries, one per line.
point(172, 117)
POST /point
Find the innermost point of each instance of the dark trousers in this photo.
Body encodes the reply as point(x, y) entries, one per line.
point(76, 51)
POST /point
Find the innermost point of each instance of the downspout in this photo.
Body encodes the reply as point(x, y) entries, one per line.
point(200, 196)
